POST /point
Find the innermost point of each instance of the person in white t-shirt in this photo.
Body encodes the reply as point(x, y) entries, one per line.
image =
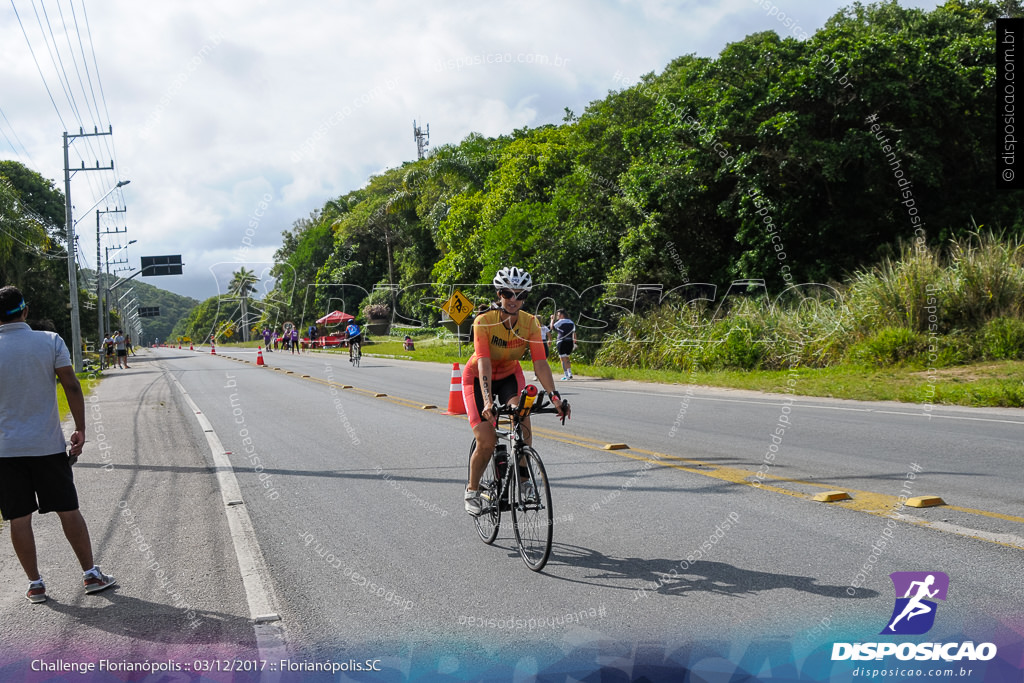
point(121, 349)
point(35, 470)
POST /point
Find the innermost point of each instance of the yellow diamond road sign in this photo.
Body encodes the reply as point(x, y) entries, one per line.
point(458, 307)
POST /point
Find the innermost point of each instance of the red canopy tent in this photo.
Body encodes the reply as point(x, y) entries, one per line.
point(335, 317)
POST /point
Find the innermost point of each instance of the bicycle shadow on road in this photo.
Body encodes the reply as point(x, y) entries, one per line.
point(142, 620)
point(656, 577)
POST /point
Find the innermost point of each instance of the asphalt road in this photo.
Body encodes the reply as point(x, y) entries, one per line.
point(664, 552)
point(376, 482)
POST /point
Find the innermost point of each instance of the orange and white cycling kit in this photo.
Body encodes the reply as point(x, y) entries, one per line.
point(505, 347)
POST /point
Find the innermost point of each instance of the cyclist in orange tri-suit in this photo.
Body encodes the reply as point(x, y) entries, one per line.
point(501, 337)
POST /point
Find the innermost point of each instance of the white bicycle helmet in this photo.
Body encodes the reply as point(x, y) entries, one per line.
point(513, 278)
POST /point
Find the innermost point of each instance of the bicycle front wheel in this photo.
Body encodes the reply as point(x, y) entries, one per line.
point(532, 518)
point(488, 522)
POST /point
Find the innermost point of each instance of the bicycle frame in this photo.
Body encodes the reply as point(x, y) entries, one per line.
point(516, 442)
point(505, 492)
point(514, 449)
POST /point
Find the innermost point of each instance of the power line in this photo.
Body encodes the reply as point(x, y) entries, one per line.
point(24, 150)
point(88, 74)
point(61, 71)
point(89, 100)
point(38, 68)
point(58, 63)
point(74, 62)
point(99, 81)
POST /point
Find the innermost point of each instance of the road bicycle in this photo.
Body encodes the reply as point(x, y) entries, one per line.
point(506, 483)
point(356, 355)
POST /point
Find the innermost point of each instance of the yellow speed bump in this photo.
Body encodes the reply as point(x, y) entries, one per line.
point(831, 496)
point(924, 501)
point(615, 446)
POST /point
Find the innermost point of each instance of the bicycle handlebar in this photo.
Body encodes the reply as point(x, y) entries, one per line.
point(539, 407)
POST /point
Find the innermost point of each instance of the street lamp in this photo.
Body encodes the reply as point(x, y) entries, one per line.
point(86, 212)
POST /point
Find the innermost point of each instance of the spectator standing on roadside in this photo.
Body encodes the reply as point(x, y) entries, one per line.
point(313, 334)
point(35, 471)
point(107, 352)
point(295, 340)
point(128, 346)
point(122, 351)
point(565, 344)
point(266, 338)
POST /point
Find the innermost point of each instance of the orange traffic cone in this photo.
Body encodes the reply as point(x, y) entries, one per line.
point(259, 356)
point(456, 405)
point(213, 350)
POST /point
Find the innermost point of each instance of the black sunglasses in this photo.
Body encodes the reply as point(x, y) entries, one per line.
point(509, 294)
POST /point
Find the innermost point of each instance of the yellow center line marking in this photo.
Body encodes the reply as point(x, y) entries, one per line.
point(985, 513)
point(870, 502)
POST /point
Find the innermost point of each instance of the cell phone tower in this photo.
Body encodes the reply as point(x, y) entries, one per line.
point(422, 139)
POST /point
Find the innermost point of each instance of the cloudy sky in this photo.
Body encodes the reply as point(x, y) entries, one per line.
point(231, 115)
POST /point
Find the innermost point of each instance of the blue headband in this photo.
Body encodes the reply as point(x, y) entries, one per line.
point(19, 309)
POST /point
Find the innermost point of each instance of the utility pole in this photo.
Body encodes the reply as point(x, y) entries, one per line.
point(422, 139)
point(99, 273)
point(76, 326)
point(107, 262)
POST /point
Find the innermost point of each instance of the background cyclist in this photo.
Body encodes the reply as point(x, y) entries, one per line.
point(501, 337)
point(354, 335)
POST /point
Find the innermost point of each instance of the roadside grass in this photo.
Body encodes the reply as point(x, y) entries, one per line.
point(999, 384)
point(89, 380)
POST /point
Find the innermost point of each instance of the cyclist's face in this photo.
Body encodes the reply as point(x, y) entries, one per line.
point(510, 299)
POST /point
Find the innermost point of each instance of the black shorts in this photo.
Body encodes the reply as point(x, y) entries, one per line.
point(122, 352)
point(505, 389)
point(565, 346)
point(44, 483)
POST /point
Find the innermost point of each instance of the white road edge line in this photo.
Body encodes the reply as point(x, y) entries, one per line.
point(259, 590)
point(1005, 539)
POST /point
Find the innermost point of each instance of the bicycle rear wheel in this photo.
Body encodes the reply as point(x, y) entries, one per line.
point(357, 353)
point(488, 522)
point(532, 518)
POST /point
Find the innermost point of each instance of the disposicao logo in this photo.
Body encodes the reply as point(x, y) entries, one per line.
point(914, 614)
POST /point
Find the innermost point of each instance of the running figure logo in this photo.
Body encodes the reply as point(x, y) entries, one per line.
point(914, 612)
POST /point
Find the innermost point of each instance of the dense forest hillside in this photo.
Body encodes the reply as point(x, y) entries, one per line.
point(784, 160)
point(173, 307)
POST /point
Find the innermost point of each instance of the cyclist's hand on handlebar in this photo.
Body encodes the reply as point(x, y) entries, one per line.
point(564, 411)
point(488, 412)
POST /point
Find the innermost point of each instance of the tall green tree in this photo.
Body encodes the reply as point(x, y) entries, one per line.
point(31, 223)
point(243, 284)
